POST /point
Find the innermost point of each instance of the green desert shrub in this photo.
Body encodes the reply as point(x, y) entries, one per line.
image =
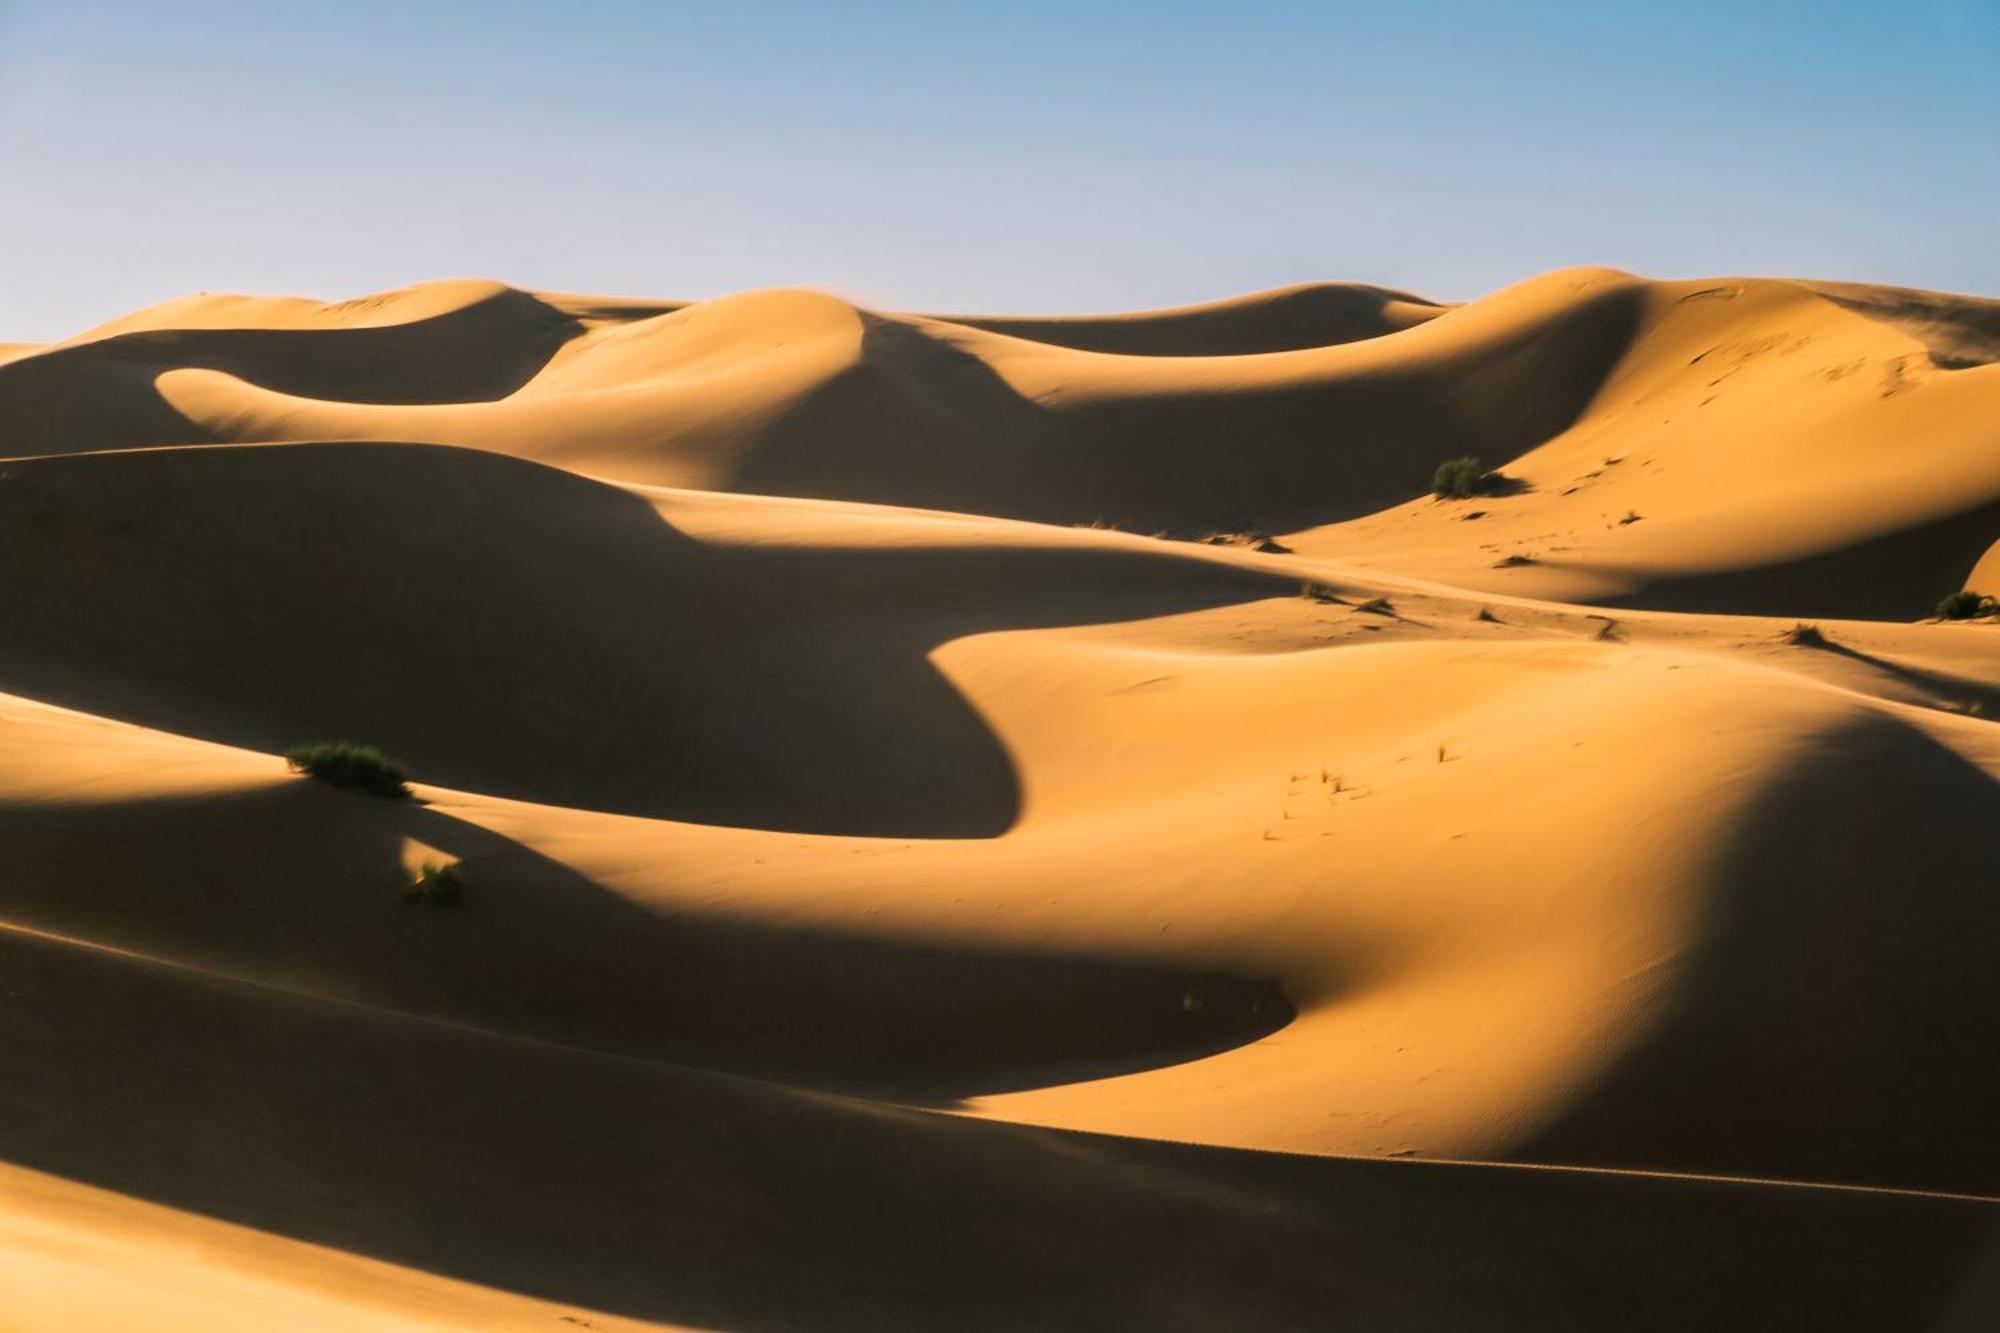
point(1964, 605)
point(356, 767)
point(438, 885)
point(1460, 478)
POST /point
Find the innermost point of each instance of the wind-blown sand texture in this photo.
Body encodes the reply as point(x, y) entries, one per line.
point(928, 863)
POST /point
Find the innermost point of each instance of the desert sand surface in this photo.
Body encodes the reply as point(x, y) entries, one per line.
point(1003, 822)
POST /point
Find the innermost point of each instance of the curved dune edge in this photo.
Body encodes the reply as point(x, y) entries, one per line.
point(1282, 320)
point(1069, 725)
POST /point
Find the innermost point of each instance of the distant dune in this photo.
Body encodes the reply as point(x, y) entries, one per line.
point(1001, 822)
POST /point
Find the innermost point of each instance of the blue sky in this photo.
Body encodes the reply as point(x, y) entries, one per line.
point(958, 156)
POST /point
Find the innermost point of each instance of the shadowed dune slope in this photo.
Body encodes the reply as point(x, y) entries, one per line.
point(1959, 331)
point(448, 342)
point(1286, 319)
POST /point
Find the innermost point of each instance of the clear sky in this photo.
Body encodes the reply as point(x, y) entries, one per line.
point(1025, 156)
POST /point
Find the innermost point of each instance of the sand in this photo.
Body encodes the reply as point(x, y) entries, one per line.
point(998, 822)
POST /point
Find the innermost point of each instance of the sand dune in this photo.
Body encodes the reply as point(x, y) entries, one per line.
point(1308, 315)
point(1685, 445)
point(684, 1198)
point(985, 821)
